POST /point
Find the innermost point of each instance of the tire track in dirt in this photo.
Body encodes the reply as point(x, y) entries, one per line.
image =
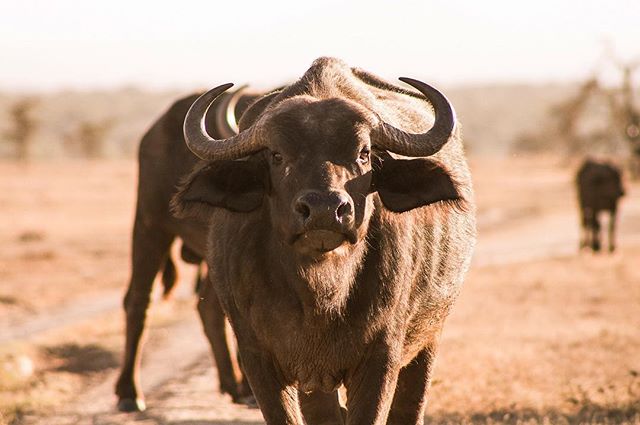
point(545, 236)
point(72, 313)
point(168, 355)
point(62, 316)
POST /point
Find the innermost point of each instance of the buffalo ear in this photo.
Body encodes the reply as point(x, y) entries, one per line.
point(407, 184)
point(236, 186)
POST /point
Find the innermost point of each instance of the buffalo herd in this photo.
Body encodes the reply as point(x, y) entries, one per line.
point(333, 220)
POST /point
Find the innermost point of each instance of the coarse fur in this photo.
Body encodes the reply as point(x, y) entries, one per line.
point(163, 161)
point(599, 187)
point(367, 311)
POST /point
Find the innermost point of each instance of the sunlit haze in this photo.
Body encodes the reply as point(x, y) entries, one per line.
point(69, 44)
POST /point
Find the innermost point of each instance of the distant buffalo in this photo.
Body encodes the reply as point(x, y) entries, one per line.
point(599, 189)
point(163, 161)
point(341, 222)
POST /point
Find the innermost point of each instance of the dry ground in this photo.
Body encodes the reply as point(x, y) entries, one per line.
point(541, 334)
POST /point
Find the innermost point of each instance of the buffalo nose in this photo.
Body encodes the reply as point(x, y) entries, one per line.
point(323, 209)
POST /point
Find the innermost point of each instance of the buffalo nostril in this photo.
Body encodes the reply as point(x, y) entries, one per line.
point(343, 211)
point(323, 209)
point(303, 209)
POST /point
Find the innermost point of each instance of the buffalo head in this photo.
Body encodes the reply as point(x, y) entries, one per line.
point(311, 163)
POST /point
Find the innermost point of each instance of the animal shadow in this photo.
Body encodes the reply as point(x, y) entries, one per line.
point(81, 359)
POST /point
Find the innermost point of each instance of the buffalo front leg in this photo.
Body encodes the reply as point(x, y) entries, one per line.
point(278, 401)
point(612, 230)
point(320, 408)
point(585, 229)
point(150, 249)
point(410, 398)
point(370, 388)
point(246, 394)
point(595, 232)
point(214, 324)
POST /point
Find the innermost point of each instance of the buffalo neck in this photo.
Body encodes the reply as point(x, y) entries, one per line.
point(323, 285)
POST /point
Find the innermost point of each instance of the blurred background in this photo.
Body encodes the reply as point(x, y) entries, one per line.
point(543, 332)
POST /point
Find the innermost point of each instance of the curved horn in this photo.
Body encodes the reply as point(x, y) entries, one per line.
point(426, 144)
point(226, 122)
point(206, 147)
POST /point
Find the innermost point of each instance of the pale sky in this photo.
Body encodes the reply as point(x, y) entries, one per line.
point(76, 44)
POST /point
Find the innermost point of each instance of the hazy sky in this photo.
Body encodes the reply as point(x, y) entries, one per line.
point(56, 44)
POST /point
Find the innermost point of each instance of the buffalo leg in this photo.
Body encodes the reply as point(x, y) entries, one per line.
point(585, 229)
point(612, 230)
point(150, 249)
point(213, 322)
point(320, 408)
point(278, 401)
point(595, 232)
point(246, 395)
point(370, 388)
point(410, 399)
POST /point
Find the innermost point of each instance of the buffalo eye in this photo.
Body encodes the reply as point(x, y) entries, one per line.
point(363, 156)
point(276, 158)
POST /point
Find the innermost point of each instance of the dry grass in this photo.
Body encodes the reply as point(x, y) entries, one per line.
point(552, 340)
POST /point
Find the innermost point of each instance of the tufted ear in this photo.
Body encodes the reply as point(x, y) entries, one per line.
point(237, 186)
point(407, 184)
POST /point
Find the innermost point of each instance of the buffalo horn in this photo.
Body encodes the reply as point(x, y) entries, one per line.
point(425, 144)
point(202, 144)
point(226, 121)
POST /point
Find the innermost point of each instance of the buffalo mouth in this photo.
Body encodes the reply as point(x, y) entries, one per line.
point(321, 241)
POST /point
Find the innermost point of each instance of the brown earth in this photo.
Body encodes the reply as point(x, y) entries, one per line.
point(541, 333)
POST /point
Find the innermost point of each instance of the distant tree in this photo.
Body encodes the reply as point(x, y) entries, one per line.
point(567, 114)
point(626, 113)
point(24, 126)
point(88, 139)
point(531, 143)
point(623, 113)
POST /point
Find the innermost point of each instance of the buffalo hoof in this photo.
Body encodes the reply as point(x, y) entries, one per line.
point(247, 400)
point(131, 405)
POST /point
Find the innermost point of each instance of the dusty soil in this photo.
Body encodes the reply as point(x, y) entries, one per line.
point(541, 333)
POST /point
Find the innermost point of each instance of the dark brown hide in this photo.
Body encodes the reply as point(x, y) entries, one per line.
point(163, 161)
point(345, 271)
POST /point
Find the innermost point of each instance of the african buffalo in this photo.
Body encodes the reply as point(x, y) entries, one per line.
point(599, 187)
point(341, 223)
point(164, 160)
